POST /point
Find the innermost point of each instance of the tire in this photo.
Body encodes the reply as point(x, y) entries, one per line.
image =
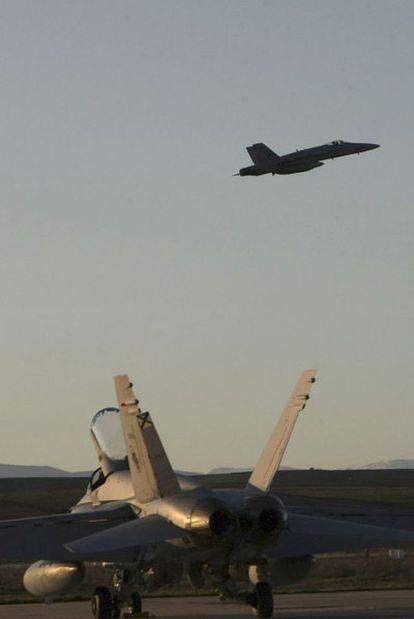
point(102, 603)
point(263, 600)
point(136, 602)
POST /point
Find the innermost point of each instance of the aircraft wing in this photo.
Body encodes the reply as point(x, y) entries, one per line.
point(139, 532)
point(394, 517)
point(305, 535)
point(308, 535)
point(27, 539)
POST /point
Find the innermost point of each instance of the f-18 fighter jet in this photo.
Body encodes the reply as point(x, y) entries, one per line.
point(265, 161)
point(151, 526)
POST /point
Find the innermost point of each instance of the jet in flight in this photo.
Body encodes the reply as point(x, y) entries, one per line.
point(152, 526)
point(266, 161)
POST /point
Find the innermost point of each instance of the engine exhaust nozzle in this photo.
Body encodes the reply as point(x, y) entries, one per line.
point(205, 515)
point(210, 515)
point(266, 515)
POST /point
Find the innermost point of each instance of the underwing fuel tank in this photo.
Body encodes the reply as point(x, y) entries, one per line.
point(46, 579)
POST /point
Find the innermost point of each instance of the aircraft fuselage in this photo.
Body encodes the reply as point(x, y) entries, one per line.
point(268, 162)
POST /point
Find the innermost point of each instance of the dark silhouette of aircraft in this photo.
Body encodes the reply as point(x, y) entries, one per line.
point(268, 162)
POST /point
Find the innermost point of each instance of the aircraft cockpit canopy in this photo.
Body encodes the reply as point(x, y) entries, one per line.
point(107, 430)
point(336, 142)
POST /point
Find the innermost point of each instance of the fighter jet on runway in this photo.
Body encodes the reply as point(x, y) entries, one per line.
point(268, 162)
point(151, 526)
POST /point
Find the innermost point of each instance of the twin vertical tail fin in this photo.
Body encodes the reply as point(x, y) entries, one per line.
point(262, 155)
point(269, 462)
point(151, 473)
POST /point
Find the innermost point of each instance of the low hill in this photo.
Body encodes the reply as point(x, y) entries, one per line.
point(391, 464)
point(21, 470)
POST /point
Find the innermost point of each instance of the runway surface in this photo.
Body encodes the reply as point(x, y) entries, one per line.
point(361, 605)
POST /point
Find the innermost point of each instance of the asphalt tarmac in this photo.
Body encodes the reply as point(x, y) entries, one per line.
point(348, 605)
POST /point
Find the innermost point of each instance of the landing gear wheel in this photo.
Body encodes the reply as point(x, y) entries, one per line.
point(263, 600)
point(136, 602)
point(102, 603)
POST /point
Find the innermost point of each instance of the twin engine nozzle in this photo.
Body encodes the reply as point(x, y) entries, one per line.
point(205, 515)
point(211, 516)
point(263, 514)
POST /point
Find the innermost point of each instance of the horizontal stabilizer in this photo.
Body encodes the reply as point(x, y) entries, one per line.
point(269, 462)
point(26, 539)
point(308, 535)
point(140, 532)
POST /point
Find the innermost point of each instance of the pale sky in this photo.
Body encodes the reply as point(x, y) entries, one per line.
point(127, 245)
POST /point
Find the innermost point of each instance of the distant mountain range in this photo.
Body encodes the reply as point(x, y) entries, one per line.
point(384, 464)
point(390, 464)
point(19, 470)
point(223, 470)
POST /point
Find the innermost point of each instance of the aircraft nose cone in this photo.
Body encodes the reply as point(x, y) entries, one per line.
point(371, 146)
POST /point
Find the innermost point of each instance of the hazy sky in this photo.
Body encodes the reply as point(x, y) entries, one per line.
point(127, 245)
